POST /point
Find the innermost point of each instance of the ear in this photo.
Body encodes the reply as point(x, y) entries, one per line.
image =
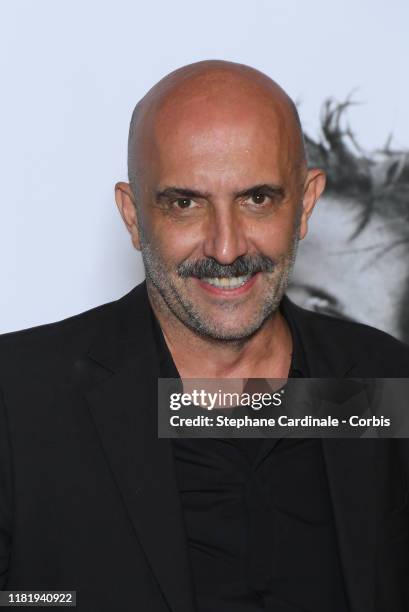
point(126, 203)
point(313, 188)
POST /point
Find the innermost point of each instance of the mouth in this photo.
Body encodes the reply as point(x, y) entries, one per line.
point(228, 286)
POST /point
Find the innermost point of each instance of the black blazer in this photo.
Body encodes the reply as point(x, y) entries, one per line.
point(88, 497)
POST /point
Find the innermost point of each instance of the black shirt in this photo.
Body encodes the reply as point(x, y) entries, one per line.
point(258, 517)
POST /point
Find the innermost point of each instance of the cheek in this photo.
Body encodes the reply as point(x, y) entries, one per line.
point(272, 236)
point(176, 241)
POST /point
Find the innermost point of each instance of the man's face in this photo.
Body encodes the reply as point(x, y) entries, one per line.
point(363, 279)
point(218, 219)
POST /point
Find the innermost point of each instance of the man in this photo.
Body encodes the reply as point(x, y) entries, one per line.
point(91, 500)
point(360, 234)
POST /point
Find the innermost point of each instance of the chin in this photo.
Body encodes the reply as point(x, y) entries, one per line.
point(228, 333)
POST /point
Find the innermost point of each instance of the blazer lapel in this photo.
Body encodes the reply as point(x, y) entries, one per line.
point(350, 463)
point(351, 470)
point(124, 408)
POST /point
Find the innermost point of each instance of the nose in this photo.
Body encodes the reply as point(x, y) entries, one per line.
point(225, 238)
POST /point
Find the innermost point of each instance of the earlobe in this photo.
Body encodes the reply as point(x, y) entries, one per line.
point(126, 204)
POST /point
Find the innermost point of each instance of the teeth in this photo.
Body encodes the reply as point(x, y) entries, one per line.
point(228, 283)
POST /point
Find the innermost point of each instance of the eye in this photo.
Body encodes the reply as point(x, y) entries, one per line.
point(184, 203)
point(259, 197)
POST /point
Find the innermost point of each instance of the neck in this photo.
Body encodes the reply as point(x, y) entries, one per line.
point(266, 354)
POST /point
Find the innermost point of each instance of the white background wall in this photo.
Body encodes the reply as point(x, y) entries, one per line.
point(71, 72)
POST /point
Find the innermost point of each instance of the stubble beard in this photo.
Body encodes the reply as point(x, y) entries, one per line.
point(168, 298)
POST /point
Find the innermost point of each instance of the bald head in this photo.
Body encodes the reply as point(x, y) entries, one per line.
point(197, 99)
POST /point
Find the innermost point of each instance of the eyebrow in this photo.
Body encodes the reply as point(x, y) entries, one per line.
point(268, 188)
point(181, 192)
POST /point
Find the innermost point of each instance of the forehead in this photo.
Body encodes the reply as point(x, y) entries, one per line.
point(204, 134)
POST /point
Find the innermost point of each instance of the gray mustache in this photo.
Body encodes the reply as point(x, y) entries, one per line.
point(210, 268)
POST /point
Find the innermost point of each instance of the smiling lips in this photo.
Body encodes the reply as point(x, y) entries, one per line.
point(228, 283)
point(228, 286)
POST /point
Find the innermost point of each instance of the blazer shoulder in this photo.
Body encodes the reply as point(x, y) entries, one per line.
point(56, 327)
point(384, 355)
point(45, 348)
point(355, 332)
point(51, 341)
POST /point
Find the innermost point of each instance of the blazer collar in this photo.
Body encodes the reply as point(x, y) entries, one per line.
point(124, 336)
point(327, 350)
